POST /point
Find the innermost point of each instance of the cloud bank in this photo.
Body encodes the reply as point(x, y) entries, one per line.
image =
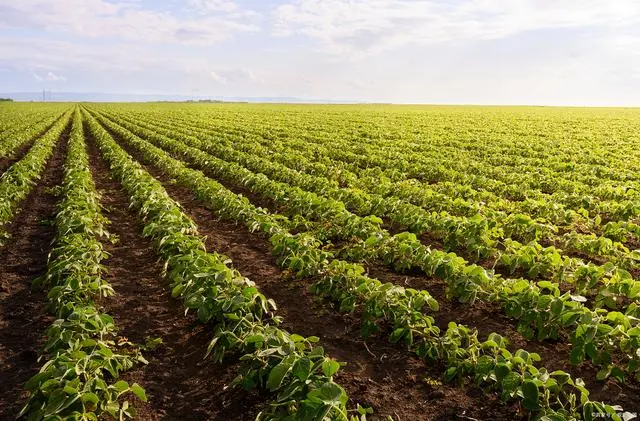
point(479, 51)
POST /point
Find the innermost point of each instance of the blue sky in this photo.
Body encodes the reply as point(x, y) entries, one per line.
point(553, 52)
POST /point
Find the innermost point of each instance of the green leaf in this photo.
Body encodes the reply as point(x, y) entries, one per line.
point(397, 335)
point(634, 331)
point(588, 411)
point(56, 400)
point(112, 408)
point(511, 382)
point(276, 375)
point(121, 386)
point(330, 367)
point(211, 345)
point(139, 392)
point(331, 393)
point(603, 373)
point(591, 350)
point(302, 368)
point(69, 390)
point(501, 370)
point(557, 306)
point(561, 376)
point(317, 352)
point(90, 398)
point(531, 395)
point(254, 339)
point(577, 355)
point(34, 381)
point(364, 410)
point(450, 374)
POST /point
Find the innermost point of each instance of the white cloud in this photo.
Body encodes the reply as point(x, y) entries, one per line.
point(363, 27)
point(124, 20)
point(30, 53)
point(47, 76)
point(50, 77)
point(478, 51)
point(209, 6)
point(226, 76)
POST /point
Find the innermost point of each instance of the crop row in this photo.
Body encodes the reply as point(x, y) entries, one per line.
point(391, 159)
point(79, 379)
point(514, 224)
point(290, 365)
point(26, 131)
point(489, 362)
point(17, 182)
point(16, 121)
point(609, 339)
point(476, 236)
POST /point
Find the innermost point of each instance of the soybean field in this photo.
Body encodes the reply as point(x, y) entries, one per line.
point(225, 261)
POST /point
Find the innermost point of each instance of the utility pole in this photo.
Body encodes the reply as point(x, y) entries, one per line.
point(43, 95)
point(195, 95)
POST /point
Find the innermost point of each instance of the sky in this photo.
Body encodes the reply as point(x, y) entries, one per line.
point(545, 52)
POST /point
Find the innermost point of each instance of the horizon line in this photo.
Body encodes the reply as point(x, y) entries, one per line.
point(184, 98)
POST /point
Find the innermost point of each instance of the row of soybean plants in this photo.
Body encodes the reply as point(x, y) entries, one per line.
point(26, 127)
point(409, 169)
point(17, 182)
point(609, 339)
point(515, 375)
point(487, 229)
point(84, 355)
point(422, 158)
point(517, 216)
point(299, 372)
point(13, 120)
point(355, 154)
point(472, 235)
point(503, 147)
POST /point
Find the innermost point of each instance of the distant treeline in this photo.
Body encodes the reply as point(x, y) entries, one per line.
point(6, 100)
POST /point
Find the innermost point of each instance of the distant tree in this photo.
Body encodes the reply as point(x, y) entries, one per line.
point(6, 100)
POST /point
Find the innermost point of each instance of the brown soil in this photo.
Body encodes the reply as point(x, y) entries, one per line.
point(376, 370)
point(23, 319)
point(179, 383)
